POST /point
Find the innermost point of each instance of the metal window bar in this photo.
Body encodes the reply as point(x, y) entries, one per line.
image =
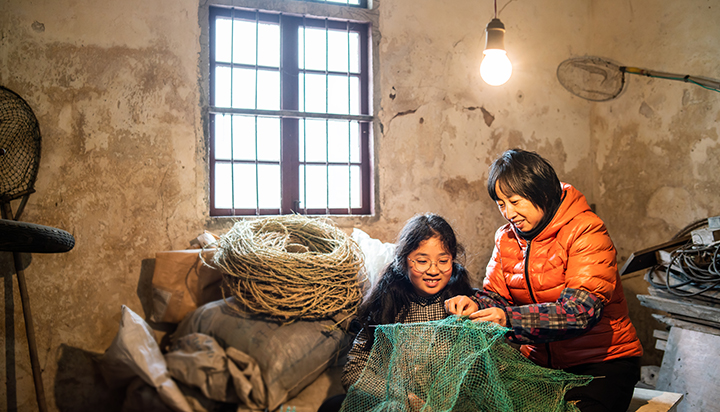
point(232, 117)
point(349, 124)
point(327, 130)
point(351, 3)
point(304, 123)
point(257, 166)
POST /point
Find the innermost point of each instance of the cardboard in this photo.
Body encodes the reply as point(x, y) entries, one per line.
point(182, 282)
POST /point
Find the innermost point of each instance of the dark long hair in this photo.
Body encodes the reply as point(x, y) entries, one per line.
point(393, 292)
point(524, 173)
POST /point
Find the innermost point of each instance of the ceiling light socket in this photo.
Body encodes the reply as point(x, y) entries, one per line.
point(495, 35)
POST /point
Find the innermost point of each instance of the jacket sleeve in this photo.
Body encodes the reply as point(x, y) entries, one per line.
point(357, 359)
point(574, 313)
point(591, 264)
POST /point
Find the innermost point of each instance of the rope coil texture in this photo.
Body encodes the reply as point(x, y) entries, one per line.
point(291, 267)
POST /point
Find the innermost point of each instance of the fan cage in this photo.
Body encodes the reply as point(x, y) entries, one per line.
point(19, 146)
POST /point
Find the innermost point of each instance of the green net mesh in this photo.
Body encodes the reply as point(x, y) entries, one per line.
point(455, 365)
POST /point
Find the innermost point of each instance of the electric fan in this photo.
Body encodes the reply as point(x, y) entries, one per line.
point(19, 161)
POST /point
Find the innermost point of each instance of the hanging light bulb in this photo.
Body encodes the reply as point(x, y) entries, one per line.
point(495, 68)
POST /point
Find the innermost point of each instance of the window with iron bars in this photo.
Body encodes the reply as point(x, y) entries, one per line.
point(290, 119)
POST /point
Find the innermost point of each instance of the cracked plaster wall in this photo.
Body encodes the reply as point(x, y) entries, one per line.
point(115, 88)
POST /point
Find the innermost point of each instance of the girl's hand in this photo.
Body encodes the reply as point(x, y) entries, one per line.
point(460, 305)
point(496, 315)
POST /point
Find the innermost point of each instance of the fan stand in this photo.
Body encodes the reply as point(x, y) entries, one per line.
point(27, 314)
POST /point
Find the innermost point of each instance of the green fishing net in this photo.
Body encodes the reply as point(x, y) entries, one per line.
point(455, 365)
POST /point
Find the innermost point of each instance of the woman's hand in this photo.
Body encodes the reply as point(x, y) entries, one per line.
point(493, 314)
point(415, 402)
point(460, 305)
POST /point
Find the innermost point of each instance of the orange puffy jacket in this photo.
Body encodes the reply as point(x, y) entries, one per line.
point(573, 251)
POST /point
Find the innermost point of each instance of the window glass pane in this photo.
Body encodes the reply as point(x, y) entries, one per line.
point(223, 183)
point(316, 187)
point(355, 148)
point(314, 96)
point(313, 51)
point(268, 132)
point(244, 137)
point(269, 45)
point(222, 86)
point(244, 33)
point(339, 181)
point(268, 90)
point(354, 95)
point(338, 94)
point(301, 140)
point(355, 187)
point(315, 140)
point(354, 52)
point(337, 51)
point(338, 141)
point(269, 186)
point(223, 29)
point(243, 88)
point(244, 186)
point(223, 146)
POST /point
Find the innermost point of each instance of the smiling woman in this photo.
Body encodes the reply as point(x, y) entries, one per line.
point(553, 280)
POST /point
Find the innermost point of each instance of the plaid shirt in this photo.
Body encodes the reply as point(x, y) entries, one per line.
point(575, 312)
point(421, 310)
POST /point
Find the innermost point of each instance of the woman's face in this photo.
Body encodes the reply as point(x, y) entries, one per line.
point(429, 267)
point(522, 213)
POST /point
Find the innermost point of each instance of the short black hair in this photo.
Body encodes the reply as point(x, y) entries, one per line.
point(525, 173)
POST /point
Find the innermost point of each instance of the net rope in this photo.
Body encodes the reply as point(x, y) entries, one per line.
point(455, 365)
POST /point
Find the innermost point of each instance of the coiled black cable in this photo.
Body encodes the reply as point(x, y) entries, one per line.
point(692, 270)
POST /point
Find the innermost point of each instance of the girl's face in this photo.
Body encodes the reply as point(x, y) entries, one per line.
point(522, 213)
point(429, 267)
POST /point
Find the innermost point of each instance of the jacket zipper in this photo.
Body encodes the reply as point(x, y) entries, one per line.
point(527, 277)
point(532, 296)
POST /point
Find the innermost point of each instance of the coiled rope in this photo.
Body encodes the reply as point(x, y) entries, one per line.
point(291, 267)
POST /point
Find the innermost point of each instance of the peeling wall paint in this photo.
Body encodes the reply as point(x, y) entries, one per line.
point(116, 89)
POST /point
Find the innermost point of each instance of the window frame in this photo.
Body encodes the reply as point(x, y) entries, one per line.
point(289, 116)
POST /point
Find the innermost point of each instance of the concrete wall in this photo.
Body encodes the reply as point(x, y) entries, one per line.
point(116, 89)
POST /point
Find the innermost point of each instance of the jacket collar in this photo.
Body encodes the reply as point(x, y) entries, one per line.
point(572, 204)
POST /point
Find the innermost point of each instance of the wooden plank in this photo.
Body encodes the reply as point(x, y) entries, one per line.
point(661, 334)
point(689, 309)
point(646, 258)
point(651, 400)
point(689, 367)
point(672, 320)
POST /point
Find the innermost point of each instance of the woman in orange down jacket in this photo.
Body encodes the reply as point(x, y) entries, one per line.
point(553, 280)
